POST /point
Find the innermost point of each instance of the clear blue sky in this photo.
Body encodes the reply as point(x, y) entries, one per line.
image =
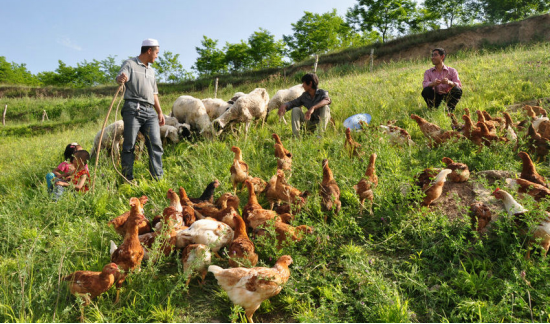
point(40, 32)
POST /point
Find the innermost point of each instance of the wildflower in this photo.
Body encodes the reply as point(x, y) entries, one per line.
point(362, 303)
point(523, 274)
point(371, 262)
point(296, 289)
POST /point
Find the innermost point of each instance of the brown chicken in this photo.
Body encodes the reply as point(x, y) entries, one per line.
point(364, 188)
point(239, 168)
point(118, 222)
point(509, 128)
point(90, 284)
point(282, 192)
point(253, 213)
point(538, 144)
point(353, 148)
point(535, 190)
point(129, 254)
point(529, 172)
point(330, 192)
point(169, 213)
point(435, 135)
point(539, 111)
point(249, 287)
point(284, 232)
point(460, 173)
point(258, 183)
point(498, 122)
point(397, 135)
point(433, 191)
point(480, 216)
point(167, 238)
point(284, 157)
point(491, 126)
point(219, 210)
point(241, 250)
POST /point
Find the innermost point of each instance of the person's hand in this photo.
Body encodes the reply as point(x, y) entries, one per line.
point(282, 110)
point(122, 78)
point(161, 119)
point(436, 82)
point(308, 113)
point(445, 81)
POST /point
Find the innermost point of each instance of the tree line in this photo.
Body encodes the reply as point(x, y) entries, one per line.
point(367, 22)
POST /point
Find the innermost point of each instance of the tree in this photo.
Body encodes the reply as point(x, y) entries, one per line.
point(451, 11)
point(501, 11)
point(168, 66)
point(264, 51)
point(386, 16)
point(13, 73)
point(237, 56)
point(317, 34)
point(109, 68)
point(211, 60)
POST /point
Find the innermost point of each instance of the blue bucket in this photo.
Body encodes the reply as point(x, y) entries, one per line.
point(353, 121)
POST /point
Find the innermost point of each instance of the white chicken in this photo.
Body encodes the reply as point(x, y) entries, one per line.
point(249, 287)
point(206, 231)
point(196, 257)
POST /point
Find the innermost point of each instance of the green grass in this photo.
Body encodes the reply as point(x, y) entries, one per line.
point(401, 264)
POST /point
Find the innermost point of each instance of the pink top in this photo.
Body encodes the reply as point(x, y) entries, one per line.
point(447, 72)
point(64, 167)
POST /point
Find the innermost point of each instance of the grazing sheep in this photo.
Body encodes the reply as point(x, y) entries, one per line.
point(171, 133)
point(112, 138)
point(184, 130)
point(215, 107)
point(283, 96)
point(191, 111)
point(245, 109)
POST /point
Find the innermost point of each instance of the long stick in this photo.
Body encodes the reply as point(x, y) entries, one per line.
point(4, 115)
point(103, 131)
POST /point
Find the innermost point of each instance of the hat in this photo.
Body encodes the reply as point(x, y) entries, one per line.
point(150, 42)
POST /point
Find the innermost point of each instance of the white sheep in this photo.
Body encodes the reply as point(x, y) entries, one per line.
point(191, 111)
point(283, 96)
point(184, 130)
point(215, 107)
point(245, 109)
point(112, 139)
point(168, 132)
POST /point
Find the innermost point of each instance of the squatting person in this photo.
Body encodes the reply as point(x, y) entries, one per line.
point(317, 103)
point(141, 110)
point(441, 83)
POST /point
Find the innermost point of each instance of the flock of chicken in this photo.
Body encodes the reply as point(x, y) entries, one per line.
point(200, 227)
point(487, 130)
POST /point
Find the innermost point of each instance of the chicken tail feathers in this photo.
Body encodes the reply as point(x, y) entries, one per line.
point(113, 248)
point(215, 269)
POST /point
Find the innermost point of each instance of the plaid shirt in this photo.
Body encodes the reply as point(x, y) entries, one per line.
point(447, 72)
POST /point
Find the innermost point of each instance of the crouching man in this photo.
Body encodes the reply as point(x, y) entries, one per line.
point(317, 103)
point(441, 83)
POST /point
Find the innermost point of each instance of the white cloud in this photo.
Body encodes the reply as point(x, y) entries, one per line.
point(65, 41)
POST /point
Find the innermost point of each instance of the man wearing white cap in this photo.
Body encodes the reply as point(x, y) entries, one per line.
point(141, 110)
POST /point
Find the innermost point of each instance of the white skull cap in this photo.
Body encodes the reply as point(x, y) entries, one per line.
point(150, 42)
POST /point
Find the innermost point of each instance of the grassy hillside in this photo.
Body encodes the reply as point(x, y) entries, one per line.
point(402, 264)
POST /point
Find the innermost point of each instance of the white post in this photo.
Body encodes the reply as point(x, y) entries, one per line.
point(4, 116)
point(316, 61)
point(45, 115)
point(216, 89)
point(371, 58)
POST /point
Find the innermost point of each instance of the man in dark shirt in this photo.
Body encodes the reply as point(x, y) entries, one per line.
point(315, 100)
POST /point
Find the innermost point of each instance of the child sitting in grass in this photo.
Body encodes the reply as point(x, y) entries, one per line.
point(80, 179)
point(65, 168)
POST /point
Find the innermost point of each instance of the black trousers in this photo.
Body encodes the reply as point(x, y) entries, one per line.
point(433, 99)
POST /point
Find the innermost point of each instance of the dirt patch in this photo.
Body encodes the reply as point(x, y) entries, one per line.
point(456, 198)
